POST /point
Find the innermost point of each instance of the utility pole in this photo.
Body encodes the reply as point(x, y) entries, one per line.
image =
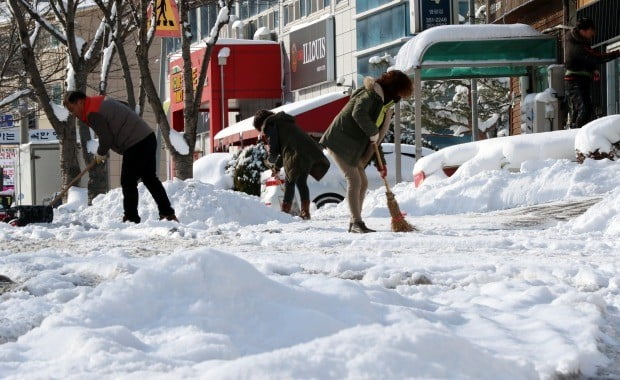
point(473, 82)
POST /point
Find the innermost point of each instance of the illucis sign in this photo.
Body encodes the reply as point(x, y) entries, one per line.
point(312, 54)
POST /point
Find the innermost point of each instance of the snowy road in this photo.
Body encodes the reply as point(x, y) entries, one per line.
point(240, 291)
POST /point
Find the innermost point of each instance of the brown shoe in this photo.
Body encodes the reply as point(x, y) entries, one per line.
point(305, 210)
point(286, 207)
point(360, 228)
point(170, 217)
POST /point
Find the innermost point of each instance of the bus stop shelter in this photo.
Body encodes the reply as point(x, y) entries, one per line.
point(471, 51)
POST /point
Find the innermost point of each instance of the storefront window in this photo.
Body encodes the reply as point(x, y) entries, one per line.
point(382, 27)
point(365, 68)
point(193, 24)
point(208, 16)
point(364, 5)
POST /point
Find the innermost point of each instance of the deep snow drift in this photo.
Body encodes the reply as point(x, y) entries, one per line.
point(239, 290)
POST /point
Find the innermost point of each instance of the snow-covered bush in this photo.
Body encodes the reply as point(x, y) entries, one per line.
point(246, 167)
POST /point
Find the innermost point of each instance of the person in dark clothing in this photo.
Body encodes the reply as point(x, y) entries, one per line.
point(290, 147)
point(581, 63)
point(119, 128)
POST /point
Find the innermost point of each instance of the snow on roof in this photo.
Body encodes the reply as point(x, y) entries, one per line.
point(411, 53)
point(599, 134)
point(224, 41)
point(293, 109)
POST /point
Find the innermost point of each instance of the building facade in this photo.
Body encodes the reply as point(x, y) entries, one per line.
point(327, 45)
point(606, 16)
point(557, 17)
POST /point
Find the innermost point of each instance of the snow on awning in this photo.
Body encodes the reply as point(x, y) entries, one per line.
point(313, 115)
point(470, 51)
point(222, 41)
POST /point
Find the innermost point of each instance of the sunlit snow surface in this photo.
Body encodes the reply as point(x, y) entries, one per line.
point(512, 275)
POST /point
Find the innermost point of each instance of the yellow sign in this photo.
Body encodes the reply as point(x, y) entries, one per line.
point(176, 83)
point(583, 3)
point(166, 19)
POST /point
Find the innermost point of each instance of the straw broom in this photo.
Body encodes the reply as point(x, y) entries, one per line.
point(399, 224)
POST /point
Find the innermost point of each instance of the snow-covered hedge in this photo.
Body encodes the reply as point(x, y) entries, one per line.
point(599, 139)
point(246, 168)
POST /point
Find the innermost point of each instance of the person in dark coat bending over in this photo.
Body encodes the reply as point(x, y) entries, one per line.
point(293, 149)
point(119, 128)
point(581, 62)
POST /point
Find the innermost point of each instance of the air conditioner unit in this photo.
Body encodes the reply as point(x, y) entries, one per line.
point(556, 79)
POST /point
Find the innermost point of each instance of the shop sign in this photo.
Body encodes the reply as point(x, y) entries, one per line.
point(312, 54)
point(9, 136)
point(38, 135)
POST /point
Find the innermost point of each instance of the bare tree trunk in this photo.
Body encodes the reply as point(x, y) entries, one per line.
point(69, 166)
point(183, 162)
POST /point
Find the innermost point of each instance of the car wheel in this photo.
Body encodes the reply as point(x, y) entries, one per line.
point(328, 198)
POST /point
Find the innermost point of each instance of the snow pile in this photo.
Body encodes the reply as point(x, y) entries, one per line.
point(598, 138)
point(212, 169)
point(492, 154)
point(537, 182)
point(204, 313)
point(196, 204)
point(603, 217)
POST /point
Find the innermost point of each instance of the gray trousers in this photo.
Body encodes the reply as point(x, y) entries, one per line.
point(357, 184)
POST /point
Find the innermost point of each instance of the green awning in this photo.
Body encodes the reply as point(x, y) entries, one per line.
point(487, 58)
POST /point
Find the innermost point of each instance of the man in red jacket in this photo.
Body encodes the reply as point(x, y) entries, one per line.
point(581, 63)
point(119, 128)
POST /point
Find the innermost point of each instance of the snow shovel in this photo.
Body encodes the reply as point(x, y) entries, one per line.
point(23, 215)
point(399, 224)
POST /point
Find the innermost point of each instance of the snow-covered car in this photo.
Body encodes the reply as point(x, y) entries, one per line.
point(332, 187)
point(496, 153)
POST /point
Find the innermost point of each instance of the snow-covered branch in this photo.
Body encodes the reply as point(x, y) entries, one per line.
point(40, 19)
point(14, 96)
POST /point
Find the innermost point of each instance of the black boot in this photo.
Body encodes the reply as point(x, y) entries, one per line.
point(133, 219)
point(359, 228)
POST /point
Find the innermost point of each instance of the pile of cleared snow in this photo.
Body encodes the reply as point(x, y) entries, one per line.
point(603, 217)
point(493, 154)
point(597, 138)
point(196, 203)
point(537, 182)
point(212, 169)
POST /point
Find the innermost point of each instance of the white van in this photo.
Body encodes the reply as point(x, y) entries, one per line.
point(332, 187)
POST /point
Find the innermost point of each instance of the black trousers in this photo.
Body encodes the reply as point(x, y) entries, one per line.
point(139, 163)
point(580, 107)
point(302, 186)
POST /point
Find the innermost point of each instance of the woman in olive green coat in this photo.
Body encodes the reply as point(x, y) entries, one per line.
point(363, 122)
point(290, 147)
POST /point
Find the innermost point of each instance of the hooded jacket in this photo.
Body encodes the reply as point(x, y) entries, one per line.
point(363, 116)
point(292, 148)
point(117, 126)
point(581, 59)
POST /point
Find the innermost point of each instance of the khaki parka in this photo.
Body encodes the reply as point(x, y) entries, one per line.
point(349, 133)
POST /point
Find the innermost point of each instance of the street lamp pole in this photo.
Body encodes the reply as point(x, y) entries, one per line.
point(222, 57)
point(473, 82)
